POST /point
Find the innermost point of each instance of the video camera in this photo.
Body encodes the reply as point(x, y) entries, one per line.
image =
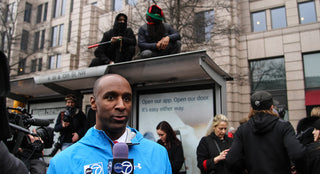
point(68, 113)
point(20, 123)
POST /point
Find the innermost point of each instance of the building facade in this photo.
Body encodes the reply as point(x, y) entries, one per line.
point(263, 44)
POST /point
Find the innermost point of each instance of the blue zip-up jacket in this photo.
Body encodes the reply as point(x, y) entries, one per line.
point(94, 151)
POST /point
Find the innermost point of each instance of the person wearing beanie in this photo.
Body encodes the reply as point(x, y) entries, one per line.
point(122, 46)
point(265, 144)
point(156, 38)
point(308, 134)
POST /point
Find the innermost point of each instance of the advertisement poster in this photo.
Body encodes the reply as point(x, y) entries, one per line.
point(189, 112)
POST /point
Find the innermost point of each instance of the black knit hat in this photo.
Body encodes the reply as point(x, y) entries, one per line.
point(261, 100)
point(305, 128)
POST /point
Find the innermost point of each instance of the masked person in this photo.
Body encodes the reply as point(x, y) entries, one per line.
point(71, 123)
point(122, 46)
point(112, 102)
point(157, 38)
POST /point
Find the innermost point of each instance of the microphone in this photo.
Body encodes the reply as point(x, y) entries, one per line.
point(37, 122)
point(120, 162)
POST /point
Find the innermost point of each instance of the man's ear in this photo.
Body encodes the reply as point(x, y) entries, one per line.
point(93, 103)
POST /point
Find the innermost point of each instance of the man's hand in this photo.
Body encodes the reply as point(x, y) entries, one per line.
point(75, 137)
point(163, 43)
point(115, 39)
point(65, 124)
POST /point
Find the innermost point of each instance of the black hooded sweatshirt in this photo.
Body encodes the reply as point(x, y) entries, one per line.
point(265, 145)
point(118, 52)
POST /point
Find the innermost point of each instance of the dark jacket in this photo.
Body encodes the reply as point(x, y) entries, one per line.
point(265, 145)
point(78, 125)
point(312, 163)
point(118, 52)
point(207, 151)
point(176, 156)
point(144, 41)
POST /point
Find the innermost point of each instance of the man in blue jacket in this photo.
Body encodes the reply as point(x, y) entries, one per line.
point(112, 101)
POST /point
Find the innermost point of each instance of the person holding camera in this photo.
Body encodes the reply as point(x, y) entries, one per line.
point(71, 123)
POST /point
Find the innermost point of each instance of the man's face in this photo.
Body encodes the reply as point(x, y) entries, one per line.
point(121, 19)
point(112, 102)
point(70, 103)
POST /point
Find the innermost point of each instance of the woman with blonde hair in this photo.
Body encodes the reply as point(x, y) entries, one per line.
point(213, 148)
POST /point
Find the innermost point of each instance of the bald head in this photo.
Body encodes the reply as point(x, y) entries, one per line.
point(111, 78)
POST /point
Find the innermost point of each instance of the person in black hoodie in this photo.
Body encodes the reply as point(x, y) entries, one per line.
point(308, 133)
point(122, 46)
point(265, 144)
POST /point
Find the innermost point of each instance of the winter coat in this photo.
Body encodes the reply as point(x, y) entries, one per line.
point(265, 145)
point(207, 150)
point(94, 151)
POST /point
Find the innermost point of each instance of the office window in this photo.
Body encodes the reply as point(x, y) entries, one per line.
point(203, 25)
point(69, 31)
point(132, 2)
point(57, 35)
point(39, 13)
point(43, 32)
point(33, 65)
point(311, 64)
point(36, 41)
point(40, 64)
point(21, 66)
point(117, 5)
point(11, 10)
point(270, 75)
point(307, 12)
point(59, 8)
point(258, 20)
point(54, 61)
point(27, 12)
point(45, 12)
point(60, 39)
point(278, 17)
point(24, 40)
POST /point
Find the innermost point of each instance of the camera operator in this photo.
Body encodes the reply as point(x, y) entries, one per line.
point(8, 163)
point(71, 123)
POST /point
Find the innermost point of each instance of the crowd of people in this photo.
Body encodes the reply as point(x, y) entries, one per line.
point(263, 143)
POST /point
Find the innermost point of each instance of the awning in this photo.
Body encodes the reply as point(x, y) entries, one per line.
point(188, 66)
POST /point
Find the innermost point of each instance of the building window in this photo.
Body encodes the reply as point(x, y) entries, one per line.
point(21, 66)
point(258, 20)
point(59, 8)
point(54, 61)
point(40, 64)
point(117, 5)
point(307, 12)
point(45, 12)
point(33, 65)
point(24, 40)
point(56, 35)
point(27, 12)
point(270, 75)
point(43, 32)
point(11, 10)
point(278, 17)
point(36, 41)
point(311, 64)
point(132, 2)
point(39, 13)
point(69, 31)
point(203, 25)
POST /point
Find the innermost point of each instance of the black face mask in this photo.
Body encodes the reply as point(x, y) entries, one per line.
point(120, 29)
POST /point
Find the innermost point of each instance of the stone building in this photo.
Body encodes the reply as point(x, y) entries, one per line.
point(263, 44)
